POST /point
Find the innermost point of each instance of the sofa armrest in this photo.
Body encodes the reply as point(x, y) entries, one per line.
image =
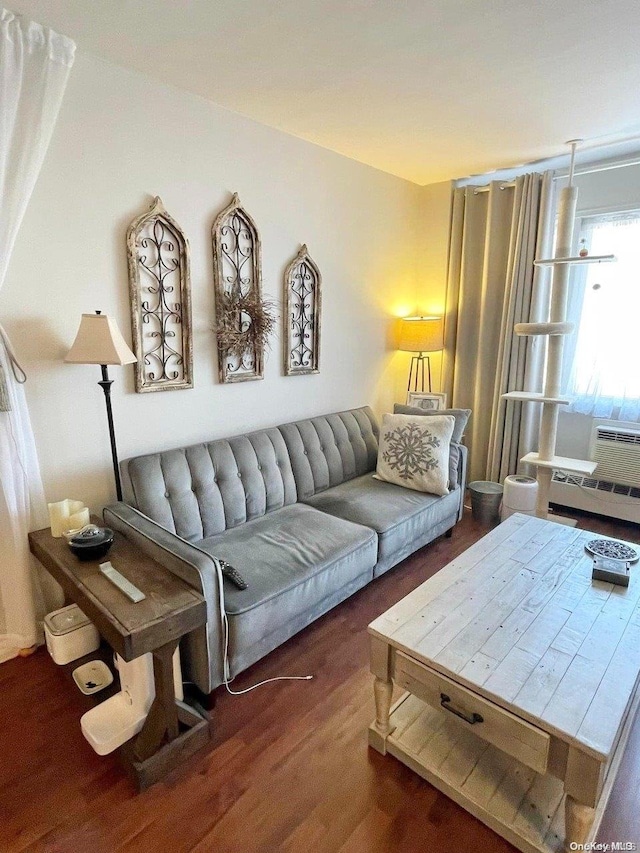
point(462, 477)
point(202, 651)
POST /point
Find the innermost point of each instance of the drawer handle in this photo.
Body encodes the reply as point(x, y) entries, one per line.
point(474, 718)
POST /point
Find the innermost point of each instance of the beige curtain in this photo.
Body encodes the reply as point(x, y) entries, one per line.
point(492, 284)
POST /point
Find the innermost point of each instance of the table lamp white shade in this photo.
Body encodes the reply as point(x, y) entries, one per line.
point(421, 334)
point(99, 341)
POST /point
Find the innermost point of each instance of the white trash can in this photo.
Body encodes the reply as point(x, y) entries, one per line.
point(520, 495)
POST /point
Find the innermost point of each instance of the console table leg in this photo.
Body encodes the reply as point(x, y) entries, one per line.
point(578, 819)
point(162, 719)
point(382, 691)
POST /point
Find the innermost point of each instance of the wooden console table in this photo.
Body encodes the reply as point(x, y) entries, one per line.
point(172, 730)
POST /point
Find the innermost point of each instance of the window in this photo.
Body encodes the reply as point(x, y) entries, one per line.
point(602, 359)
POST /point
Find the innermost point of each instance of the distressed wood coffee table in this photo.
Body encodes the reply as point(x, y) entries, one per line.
point(522, 679)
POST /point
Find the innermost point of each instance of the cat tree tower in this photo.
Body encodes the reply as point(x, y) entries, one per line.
point(556, 329)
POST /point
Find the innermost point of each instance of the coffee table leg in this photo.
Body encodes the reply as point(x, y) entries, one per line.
point(577, 819)
point(382, 691)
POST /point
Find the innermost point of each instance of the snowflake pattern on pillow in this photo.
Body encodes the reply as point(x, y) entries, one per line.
point(414, 452)
point(409, 450)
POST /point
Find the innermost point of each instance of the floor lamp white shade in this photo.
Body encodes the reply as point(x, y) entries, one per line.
point(421, 335)
point(99, 341)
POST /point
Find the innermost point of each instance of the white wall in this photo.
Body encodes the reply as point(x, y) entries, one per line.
point(609, 190)
point(434, 214)
point(121, 139)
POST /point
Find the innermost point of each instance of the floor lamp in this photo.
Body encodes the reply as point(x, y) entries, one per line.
point(421, 335)
point(99, 342)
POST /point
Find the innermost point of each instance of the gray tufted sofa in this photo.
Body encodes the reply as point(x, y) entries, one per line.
point(295, 509)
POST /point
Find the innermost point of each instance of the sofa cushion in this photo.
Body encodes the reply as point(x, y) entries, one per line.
point(414, 452)
point(298, 563)
point(399, 516)
point(461, 417)
point(331, 449)
point(279, 551)
point(201, 490)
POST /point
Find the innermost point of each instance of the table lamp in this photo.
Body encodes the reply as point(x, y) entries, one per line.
point(99, 342)
point(421, 335)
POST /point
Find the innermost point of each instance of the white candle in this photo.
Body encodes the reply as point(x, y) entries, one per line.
point(75, 506)
point(67, 515)
point(79, 519)
point(59, 517)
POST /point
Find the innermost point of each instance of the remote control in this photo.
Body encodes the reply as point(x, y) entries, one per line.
point(232, 575)
point(132, 592)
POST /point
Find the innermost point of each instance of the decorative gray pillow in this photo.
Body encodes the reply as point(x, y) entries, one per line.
point(461, 416)
point(414, 452)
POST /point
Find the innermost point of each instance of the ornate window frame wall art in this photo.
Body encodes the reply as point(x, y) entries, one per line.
point(160, 294)
point(302, 307)
point(244, 321)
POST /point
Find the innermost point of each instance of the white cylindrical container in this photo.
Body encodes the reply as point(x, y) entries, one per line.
point(520, 494)
point(69, 634)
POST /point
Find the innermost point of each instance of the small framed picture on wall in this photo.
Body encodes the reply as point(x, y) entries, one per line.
point(429, 401)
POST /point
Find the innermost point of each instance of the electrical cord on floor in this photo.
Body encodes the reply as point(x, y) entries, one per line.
point(225, 628)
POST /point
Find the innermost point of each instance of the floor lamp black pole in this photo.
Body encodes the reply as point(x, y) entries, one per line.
point(106, 384)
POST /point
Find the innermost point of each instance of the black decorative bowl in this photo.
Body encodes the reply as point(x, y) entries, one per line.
point(92, 544)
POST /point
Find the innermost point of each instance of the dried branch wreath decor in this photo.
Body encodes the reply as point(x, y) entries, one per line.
point(244, 320)
point(247, 322)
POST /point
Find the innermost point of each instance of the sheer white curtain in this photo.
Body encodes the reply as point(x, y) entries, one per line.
point(34, 67)
point(492, 284)
point(601, 372)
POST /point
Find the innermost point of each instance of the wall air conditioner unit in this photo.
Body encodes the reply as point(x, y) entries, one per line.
point(616, 449)
point(614, 487)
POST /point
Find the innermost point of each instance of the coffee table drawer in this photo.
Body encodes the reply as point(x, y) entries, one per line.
point(490, 722)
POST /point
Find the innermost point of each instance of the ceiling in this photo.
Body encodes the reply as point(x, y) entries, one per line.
point(424, 89)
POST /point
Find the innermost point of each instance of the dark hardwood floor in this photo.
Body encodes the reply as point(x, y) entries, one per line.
point(288, 768)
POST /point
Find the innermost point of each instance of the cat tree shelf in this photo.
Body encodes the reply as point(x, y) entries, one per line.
point(562, 463)
point(588, 259)
point(535, 397)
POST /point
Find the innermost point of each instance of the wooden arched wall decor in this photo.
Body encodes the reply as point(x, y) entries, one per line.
point(302, 305)
point(160, 293)
point(243, 322)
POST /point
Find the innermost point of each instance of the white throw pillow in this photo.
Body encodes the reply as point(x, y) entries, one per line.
point(414, 452)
